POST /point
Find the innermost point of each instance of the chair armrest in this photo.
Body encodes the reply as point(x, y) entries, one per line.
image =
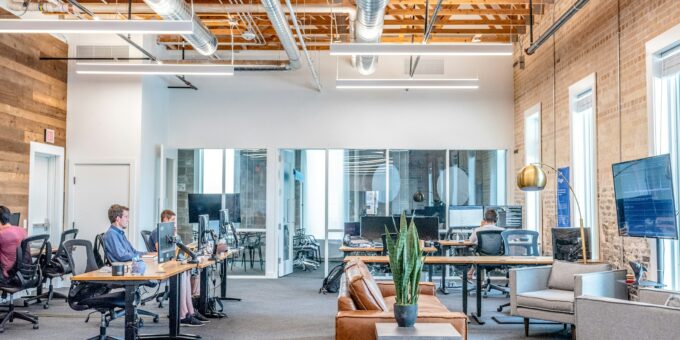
point(604, 284)
point(607, 318)
point(387, 288)
point(654, 296)
point(528, 279)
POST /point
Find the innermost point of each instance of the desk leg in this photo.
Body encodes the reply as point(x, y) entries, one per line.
point(477, 317)
point(173, 325)
point(130, 312)
point(223, 288)
point(443, 284)
point(203, 297)
point(465, 289)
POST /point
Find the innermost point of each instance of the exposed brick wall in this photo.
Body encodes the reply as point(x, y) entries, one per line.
point(590, 43)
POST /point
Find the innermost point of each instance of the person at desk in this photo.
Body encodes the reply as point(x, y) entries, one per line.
point(188, 316)
point(116, 244)
point(488, 223)
point(10, 239)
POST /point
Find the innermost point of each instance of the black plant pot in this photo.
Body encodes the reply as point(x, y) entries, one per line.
point(405, 315)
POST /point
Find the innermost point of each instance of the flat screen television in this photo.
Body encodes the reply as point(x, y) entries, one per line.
point(643, 190)
point(200, 204)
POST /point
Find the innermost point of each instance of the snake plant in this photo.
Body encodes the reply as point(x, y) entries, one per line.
point(406, 261)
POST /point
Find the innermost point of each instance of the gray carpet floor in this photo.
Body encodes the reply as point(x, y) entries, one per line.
point(287, 308)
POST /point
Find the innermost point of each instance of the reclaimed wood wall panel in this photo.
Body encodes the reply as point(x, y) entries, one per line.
point(32, 99)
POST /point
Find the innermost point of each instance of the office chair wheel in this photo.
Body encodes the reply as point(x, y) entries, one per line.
point(36, 326)
point(25, 303)
point(499, 309)
point(46, 306)
point(155, 319)
point(141, 323)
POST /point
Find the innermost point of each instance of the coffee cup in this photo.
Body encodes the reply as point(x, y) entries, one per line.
point(118, 269)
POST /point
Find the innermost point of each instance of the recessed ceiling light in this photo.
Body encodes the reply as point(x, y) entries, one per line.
point(407, 84)
point(461, 49)
point(155, 69)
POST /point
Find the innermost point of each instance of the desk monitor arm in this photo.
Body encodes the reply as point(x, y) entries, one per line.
point(215, 240)
point(187, 251)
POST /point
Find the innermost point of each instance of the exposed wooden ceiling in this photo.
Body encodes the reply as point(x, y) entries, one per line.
point(457, 21)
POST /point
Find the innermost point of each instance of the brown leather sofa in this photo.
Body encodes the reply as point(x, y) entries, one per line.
point(363, 302)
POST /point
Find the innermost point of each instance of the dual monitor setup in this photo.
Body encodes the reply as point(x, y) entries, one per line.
point(373, 227)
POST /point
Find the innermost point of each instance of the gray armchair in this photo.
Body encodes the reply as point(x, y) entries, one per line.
point(607, 318)
point(548, 293)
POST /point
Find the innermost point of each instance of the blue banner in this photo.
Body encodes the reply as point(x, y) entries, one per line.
point(563, 198)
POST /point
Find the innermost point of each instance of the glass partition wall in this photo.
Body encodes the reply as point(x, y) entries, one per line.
point(239, 177)
point(326, 191)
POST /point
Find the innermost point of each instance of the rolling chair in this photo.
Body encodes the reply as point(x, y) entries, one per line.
point(518, 242)
point(150, 247)
point(57, 266)
point(25, 274)
point(490, 243)
point(100, 256)
point(88, 295)
point(233, 242)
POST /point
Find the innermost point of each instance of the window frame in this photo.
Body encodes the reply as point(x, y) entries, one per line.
point(589, 203)
point(533, 114)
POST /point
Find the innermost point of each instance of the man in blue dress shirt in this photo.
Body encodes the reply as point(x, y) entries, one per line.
point(117, 246)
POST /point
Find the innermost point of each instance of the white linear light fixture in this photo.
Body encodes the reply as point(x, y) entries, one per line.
point(461, 84)
point(155, 69)
point(460, 49)
point(97, 26)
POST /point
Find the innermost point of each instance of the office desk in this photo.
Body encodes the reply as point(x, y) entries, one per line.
point(466, 262)
point(203, 267)
point(346, 249)
point(154, 272)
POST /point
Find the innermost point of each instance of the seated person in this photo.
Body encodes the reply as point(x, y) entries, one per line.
point(10, 239)
point(488, 223)
point(188, 316)
point(116, 244)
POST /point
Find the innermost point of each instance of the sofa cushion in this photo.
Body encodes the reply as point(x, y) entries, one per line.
point(562, 273)
point(553, 300)
point(673, 301)
point(362, 287)
point(426, 304)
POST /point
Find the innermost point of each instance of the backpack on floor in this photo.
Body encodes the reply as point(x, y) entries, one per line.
point(331, 284)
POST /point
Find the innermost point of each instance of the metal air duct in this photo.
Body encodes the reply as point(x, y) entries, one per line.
point(368, 29)
point(280, 23)
point(203, 41)
point(555, 26)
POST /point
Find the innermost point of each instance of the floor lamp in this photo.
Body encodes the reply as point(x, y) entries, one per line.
point(532, 178)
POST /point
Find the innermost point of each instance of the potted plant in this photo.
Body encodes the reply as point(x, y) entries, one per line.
point(406, 264)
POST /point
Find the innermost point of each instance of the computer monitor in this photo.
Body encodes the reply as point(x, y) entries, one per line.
point(428, 227)
point(200, 204)
point(14, 219)
point(215, 227)
point(203, 221)
point(232, 202)
point(224, 222)
point(509, 216)
point(353, 228)
point(465, 216)
point(166, 241)
point(372, 227)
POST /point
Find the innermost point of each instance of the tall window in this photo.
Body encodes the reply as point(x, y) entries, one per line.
point(211, 168)
point(666, 120)
point(582, 105)
point(532, 154)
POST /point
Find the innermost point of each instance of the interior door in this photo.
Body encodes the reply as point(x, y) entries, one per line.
point(95, 188)
point(287, 222)
point(42, 198)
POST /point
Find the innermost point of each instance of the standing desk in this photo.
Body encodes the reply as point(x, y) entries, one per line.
point(466, 262)
point(203, 267)
point(154, 272)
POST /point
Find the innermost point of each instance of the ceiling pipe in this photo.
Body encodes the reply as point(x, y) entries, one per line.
point(303, 45)
point(203, 41)
point(368, 29)
point(555, 26)
point(280, 23)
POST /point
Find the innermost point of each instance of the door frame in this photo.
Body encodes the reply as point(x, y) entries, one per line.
point(132, 228)
point(56, 152)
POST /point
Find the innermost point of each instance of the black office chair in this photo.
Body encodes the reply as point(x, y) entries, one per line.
point(234, 243)
point(58, 266)
point(100, 255)
point(252, 242)
point(146, 236)
point(24, 275)
point(518, 242)
point(490, 243)
point(88, 295)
